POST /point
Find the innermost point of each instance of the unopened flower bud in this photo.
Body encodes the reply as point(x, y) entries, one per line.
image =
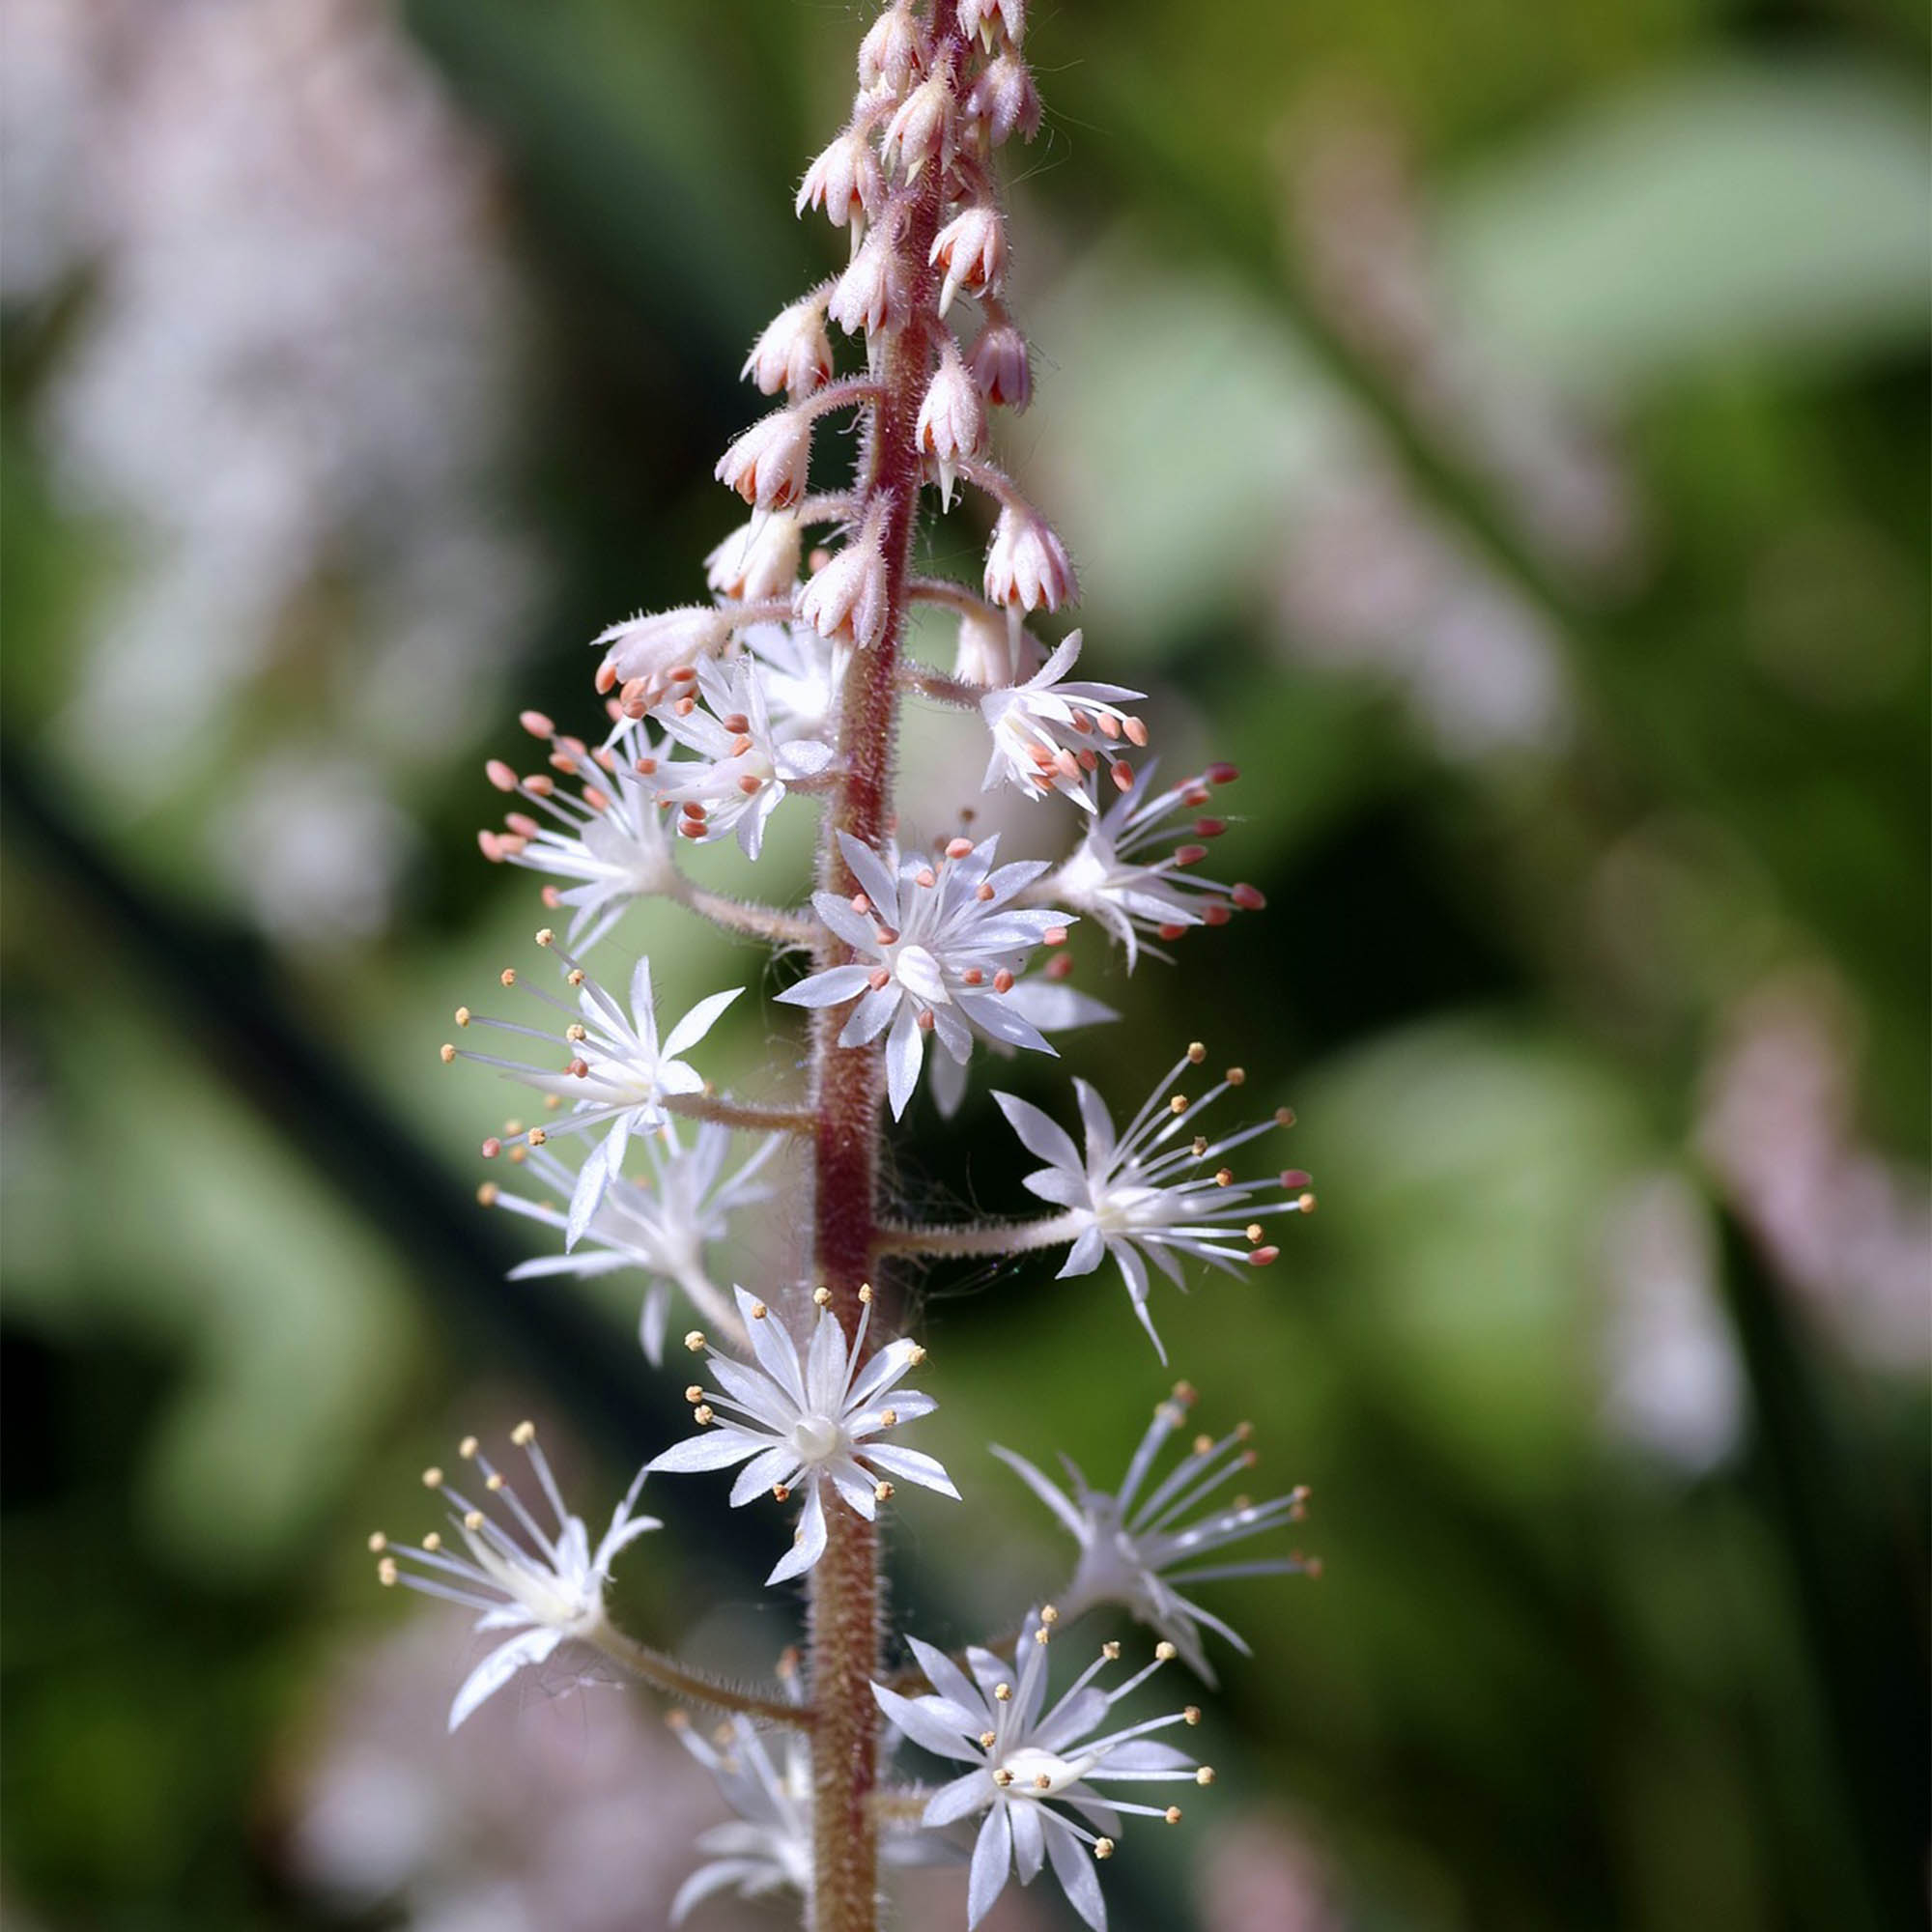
point(868, 295)
point(998, 360)
point(995, 651)
point(844, 180)
point(993, 17)
point(1026, 562)
point(758, 559)
point(951, 417)
point(767, 464)
point(794, 353)
point(1004, 101)
point(921, 130)
point(893, 50)
point(846, 599)
point(652, 644)
point(972, 249)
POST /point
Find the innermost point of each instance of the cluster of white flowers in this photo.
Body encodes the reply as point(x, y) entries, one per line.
point(785, 692)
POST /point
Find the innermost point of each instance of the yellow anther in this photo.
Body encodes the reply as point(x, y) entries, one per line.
point(1164, 1652)
point(1111, 1650)
point(1048, 1614)
point(432, 1543)
point(508, 976)
point(536, 1137)
point(1204, 1775)
point(988, 1739)
point(432, 1478)
point(446, 1053)
point(864, 1294)
point(695, 1393)
point(523, 1434)
point(378, 1543)
point(467, 1448)
point(883, 1490)
point(759, 1311)
point(916, 1354)
point(1003, 1778)
point(462, 1016)
point(704, 1414)
point(1196, 1052)
point(781, 1493)
point(1178, 1105)
point(888, 1419)
point(546, 937)
point(1172, 1815)
point(486, 1194)
point(1192, 1715)
point(694, 1339)
point(1235, 1075)
point(1103, 1848)
point(822, 1297)
point(474, 1522)
point(386, 1573)
point(1002, 1694)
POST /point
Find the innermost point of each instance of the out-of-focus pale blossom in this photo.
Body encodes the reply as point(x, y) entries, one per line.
point(291, 372)
point(1847, 1228)
point(1672, 1381)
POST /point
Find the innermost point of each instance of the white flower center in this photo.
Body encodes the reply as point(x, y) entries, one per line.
point(919, 974)
point(816, 1438)
point(1030, 1765)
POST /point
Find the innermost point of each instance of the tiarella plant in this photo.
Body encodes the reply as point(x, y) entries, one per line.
point(784, 691)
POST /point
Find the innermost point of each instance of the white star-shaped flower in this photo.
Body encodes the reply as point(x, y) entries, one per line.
point(1035, 1769)
point(1135, 1547)
point(547, 1586)
point(800, 1422)
point(939, 943)
point(1156, 1192)
point(1109, 878)
point(660, 1225)
point(1050, 735)
point(617, 1071)
point(608, 835)
point(741, 767)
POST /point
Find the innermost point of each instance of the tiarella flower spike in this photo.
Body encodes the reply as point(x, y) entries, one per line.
point(544, 1585)
point(804, 1423)
point(783, 684)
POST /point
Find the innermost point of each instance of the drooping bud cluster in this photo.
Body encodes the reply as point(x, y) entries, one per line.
point(783, 693)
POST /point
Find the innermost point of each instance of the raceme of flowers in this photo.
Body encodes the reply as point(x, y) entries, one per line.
point(647, 1148)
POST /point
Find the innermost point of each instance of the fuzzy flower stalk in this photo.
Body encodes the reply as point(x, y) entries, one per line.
point(919, 958)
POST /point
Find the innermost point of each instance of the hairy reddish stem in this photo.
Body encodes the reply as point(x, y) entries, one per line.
point(847, 1083)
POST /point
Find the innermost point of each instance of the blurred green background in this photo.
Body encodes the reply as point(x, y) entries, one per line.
point(1501, 430)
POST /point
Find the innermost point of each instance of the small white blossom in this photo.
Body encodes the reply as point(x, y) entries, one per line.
point(921, 130)
point(847, 598)
point(758, 560)
point(1035, 1769)
point(869, 294)
point(999, 363)
point(1049, 734)
point(1004, 101)
point(1109, 878)
point(972, 250)
point(645, 650)
point(1134, 1548)
point(1156, 1192)
point(939, 943)
point(802, 675)
point(845, 181)
point(893, 50)
point(794, 353)
point(660, 1225)
point(951, 426)
point(1026, 562)
point(769, 463)
point(808, 1420)
point(994, 19)
point(609, 835)
point(617, 1073)
point(547, 1586)
point(740, 770)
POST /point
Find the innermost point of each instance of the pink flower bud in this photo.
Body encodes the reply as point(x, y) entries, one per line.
point(951, 417)
point(998, 360)
point(921, 130)
point(1027, 564)
point(757, 560)
point(972, 249)
point(893, 50)
point(995, 651)
point(1004, 99)
point(794, 353)
point(845, 178)
point(867, 295)
point(847, 600)
point(767, 464)
point(993, 17)
point(652, 644)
